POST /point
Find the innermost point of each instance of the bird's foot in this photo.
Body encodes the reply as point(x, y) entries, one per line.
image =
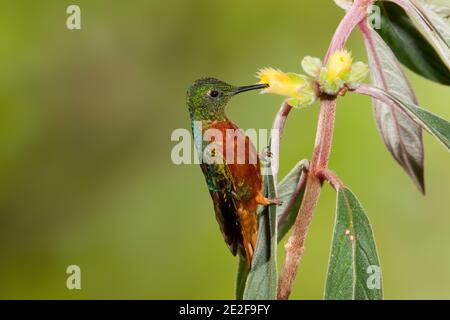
point(276, 201)
point(266, 201)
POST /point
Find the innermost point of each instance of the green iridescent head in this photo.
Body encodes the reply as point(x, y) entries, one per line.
point(207, 97)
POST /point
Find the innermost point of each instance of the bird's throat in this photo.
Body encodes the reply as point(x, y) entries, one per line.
point(208, 114)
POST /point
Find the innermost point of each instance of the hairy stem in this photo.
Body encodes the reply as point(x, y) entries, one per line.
point(278, 128)
point(354, 16)
point(382, 95)
point(319, 161)
point(331, 177)
point(295, 245)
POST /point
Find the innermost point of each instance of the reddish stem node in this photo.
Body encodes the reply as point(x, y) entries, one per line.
point(331, 177)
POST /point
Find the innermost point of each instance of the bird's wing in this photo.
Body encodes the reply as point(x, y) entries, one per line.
point(232, 188)
point(222, 190)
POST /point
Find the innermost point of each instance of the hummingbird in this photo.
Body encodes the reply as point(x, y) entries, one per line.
point(235, 186)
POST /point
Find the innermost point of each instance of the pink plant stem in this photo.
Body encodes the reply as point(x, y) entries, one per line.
point(278, 126)
point(354, 16)
point(319, 161)
point(373, 92)
point(377, 94)
point(383, 96)
point(295, 245)
point(331, 177)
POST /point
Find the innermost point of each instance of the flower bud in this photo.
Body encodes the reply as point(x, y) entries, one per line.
point(359, 72)
point(312, 66)
point(340, 72)
point(339, 66)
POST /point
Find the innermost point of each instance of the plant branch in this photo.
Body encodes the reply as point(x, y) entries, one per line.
point(295, 245)
point(356, 14)
point(277, 132)
point(319, 161)
point(331, 177)
point(382, 95)
point(379, 94)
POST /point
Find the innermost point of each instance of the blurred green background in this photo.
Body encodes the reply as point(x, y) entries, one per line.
point(86, 176)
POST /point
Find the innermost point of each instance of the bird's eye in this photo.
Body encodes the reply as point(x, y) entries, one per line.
point(213, 93)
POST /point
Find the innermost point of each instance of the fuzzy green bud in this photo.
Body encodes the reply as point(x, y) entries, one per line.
point(341, 72)
point(312, 66)
point(360, 71)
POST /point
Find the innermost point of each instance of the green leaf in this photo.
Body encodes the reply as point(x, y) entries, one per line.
point(428, 55)
point(435, 125)
point(401, 135)
point(439, 9)
point(262, 278)
point(291, 193)
point(432, 26)
point(241, 279)
point(354, 271)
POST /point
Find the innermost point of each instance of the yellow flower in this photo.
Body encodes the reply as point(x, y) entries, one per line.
point(339, 66)
point(294, 86)
point(340, 71)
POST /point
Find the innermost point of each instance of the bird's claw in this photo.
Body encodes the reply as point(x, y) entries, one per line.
point(276, 201)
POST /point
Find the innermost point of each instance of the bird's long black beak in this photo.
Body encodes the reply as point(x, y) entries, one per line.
point(248, 88)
